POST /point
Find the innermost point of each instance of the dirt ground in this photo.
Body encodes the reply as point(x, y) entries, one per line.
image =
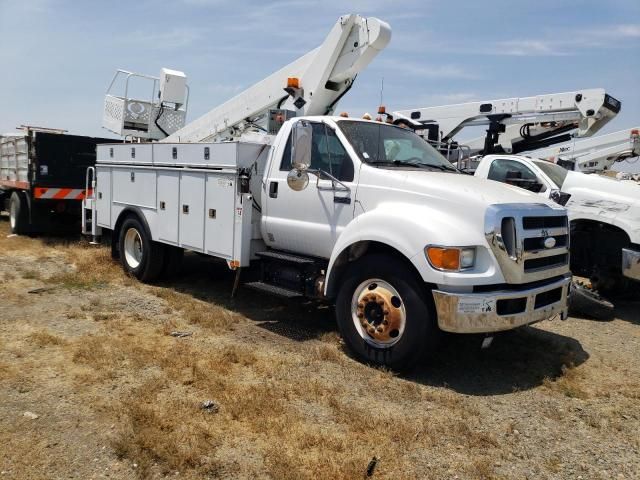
point(94, 385)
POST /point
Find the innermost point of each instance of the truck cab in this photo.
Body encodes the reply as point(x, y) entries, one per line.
point(375, 193)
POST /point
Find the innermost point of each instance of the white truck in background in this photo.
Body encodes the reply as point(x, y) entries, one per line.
point(358, 213)
point(604, 215)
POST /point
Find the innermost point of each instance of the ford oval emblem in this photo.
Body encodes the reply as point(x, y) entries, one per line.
point(549, 242)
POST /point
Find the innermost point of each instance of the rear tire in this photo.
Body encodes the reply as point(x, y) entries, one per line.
point(18, 214)
point(139, 255)
point(384, 313)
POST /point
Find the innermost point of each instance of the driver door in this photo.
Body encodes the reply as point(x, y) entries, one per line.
point(309, 221)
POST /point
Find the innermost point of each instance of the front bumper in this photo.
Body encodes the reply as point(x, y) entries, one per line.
point(501, 310)
point(631, 263)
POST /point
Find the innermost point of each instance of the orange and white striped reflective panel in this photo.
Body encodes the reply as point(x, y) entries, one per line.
point(59, 193)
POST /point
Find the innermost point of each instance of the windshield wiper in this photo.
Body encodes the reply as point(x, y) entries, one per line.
point(444, 168)
point(398, 163)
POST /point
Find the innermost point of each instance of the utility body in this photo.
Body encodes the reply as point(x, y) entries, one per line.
point(604, 215)
point(358, 213)
point(42, 177)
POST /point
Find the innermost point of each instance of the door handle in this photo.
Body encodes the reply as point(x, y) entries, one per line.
point(273, 189)
point(345, 200)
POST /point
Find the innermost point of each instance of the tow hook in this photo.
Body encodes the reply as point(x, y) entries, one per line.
point(486, 342)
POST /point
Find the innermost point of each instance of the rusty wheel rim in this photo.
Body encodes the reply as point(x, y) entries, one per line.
point(378, 313)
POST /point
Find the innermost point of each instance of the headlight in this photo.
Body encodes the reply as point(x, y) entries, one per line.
point(451, 259)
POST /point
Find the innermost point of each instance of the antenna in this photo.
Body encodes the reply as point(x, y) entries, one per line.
point(381, 90)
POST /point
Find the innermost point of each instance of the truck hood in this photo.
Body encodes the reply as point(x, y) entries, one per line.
point(442, 207)
point(461, 190)
point(600, 186)
point(598, 198)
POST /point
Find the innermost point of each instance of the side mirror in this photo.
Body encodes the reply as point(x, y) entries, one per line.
point(301, 145)
point(297, 180)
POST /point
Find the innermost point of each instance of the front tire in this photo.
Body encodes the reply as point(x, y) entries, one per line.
point(18, 214)
point(139, 255)
point(384, 313)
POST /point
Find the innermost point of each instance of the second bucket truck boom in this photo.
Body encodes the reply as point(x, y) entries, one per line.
point(357, 213)
point(596, 154)
point(516, 124)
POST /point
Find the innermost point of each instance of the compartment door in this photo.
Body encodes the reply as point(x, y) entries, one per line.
point(103, 196)
point(220, 215)
point(168, 206)
point(191, 210)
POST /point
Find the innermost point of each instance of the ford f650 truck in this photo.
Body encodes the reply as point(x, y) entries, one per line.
point(358, 213)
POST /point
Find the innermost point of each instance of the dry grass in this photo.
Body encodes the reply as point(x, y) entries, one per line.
point(93, 268)
point(572, 383)
point(288, 409)
point(45, 339)
point(196, 311)
point(322, 430)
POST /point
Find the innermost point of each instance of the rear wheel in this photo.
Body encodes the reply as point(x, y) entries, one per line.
point(384, 314)
point(18, 214)
point(139, 255)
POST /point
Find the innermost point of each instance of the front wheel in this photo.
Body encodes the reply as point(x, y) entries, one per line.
point(140, 256)
point(384, 313)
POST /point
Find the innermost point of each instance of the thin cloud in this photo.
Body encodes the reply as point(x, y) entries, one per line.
point(523, 48)
point(425, 70)
point(628, 30)
point(175, 38)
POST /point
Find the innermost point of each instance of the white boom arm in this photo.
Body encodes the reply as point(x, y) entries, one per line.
point(323, 75)
point(594, 154)
point(517, 124)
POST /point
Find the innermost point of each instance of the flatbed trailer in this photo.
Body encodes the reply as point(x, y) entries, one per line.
point(42, 178)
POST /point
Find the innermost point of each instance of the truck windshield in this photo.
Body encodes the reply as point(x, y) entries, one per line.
point(556, 173)
point(383, 145)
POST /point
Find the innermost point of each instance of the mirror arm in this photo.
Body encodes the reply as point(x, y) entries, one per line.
point(319, 172)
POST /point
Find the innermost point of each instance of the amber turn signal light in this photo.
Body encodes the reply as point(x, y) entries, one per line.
point(444, 258)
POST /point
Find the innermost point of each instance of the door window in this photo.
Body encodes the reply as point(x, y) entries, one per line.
point(514, 173)
point(327, 154)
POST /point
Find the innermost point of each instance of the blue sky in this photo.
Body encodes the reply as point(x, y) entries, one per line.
point(57, 57)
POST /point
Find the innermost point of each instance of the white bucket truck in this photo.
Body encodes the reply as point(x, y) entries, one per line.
point(359, 213)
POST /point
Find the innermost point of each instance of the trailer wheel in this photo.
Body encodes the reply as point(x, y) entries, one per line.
point(140, 256)
point(384, 314)
point(18, 214)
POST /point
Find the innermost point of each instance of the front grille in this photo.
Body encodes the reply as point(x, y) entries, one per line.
point(545, 262)
point(530, 223)
point(531, 242)
point(537, 243)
